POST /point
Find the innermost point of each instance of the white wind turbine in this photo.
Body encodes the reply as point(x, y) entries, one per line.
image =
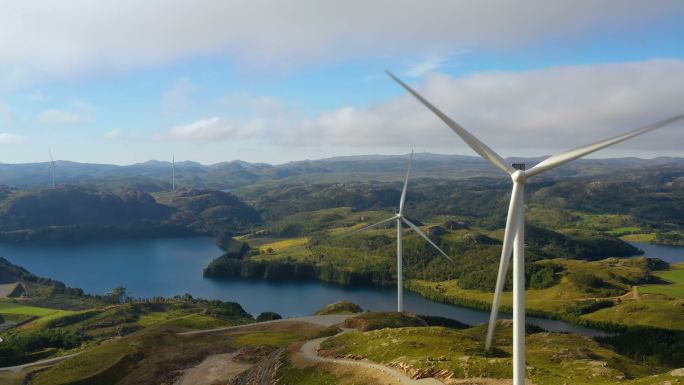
point(515, 227)
point(173, 172)
point(399, 217)
point(52, 169)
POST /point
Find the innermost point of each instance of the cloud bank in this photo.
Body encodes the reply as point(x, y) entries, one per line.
point(6, 138)
point(554, 108)
point(60, 116)
point(216, 128)
point(80, 36)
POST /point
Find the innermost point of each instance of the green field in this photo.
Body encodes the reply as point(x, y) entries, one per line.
point(275, 338)
point(20, 309)
point(641, 238)
point(581, 286)
point(625, 230)
point(674, 286)
point(649, 310)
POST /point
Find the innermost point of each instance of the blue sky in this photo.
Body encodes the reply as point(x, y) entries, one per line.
point(124, 82)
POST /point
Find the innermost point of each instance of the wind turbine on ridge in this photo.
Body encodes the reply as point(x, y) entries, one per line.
point(52, 169)
point(514, 235)
point(173, 172)
point(399, 217)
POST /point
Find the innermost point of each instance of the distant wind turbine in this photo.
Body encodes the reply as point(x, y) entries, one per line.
point(515, 225)
point(399, 217)
point(173, 172)
point(52, 169)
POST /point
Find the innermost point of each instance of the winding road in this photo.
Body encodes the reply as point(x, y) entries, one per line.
point(309, 351)
point(50, 361)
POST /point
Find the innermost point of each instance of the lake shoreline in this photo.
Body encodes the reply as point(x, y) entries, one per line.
point(173, 266)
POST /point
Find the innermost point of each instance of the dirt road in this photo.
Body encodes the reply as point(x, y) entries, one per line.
point(309, 352)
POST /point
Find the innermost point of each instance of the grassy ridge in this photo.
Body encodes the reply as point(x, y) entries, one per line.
point(553, 358)
point(155, 354)
point(59, 332)
point(598, 294)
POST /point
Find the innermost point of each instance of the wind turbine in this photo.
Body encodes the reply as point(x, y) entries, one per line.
point(399, 217)
point(515, 227)
point(52, 169)
point(173, 172)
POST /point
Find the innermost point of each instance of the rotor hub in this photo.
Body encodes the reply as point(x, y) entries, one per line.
point(519, 176)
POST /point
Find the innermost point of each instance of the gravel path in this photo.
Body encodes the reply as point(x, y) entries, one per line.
point(215, 368)
point(214, 365)
point(309, 352)
point(323, 320)
point(50, 361)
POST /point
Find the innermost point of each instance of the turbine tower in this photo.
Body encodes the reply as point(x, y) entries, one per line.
point(52, 169)
point(173, 172)
point(399, 217)
point(514, 235)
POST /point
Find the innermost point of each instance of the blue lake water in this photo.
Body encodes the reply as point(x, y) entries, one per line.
point(167, 267)
point(670, 254)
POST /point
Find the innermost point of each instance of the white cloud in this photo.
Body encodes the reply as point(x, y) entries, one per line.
point(177, 98)
point(431, 63)
point(256, 105)
point(6, 138)
point(60, 116)
point(120, 134)
point(72, 38)
point(216, 128)
point(428, 64)
point(517, 113)
point(554, 108)
point(77, 112)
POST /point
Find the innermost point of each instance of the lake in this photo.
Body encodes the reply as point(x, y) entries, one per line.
point(669, 254)
point(167, 267)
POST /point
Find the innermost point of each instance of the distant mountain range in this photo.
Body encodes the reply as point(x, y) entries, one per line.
point(155, 175)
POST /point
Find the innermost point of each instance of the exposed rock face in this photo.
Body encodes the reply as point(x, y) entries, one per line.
point(677, 372)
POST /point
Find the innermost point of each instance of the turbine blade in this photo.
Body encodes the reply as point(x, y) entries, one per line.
point(403, 191)
point(382, 222)
point(579, 152)
point(422, 234)
point(482, 149)
point(512, 225)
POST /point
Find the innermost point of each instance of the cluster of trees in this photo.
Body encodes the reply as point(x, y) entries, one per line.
point(77, 205)
point(223, 267)
point(20, 274)
point(18, 347)
point(657, 347)
point(576, 244)
point(75, 213)
point(670, 238)
point(346, 260)
point(268, 316)
point(651, 197)
point(205, 211)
